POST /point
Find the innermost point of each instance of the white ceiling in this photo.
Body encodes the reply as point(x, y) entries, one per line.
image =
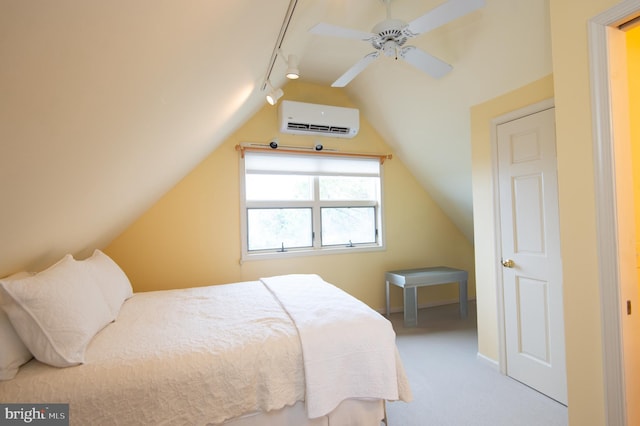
point(104, 106)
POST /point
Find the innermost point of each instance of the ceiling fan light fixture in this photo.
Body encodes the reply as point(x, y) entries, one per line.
point(390, 49)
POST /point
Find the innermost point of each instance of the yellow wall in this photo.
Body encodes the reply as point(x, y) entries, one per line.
point(483, 204)
point(191, 237)
point(633, 62)
point(576, 178)
point(631, 326)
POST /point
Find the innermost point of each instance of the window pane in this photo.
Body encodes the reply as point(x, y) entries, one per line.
point(348, 225)
point(348, 188)
point(261, 187)
point(273, 228)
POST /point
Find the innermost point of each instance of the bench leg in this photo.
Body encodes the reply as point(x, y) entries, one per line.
point(463, 299)
point(410, 307)
point(388, 308)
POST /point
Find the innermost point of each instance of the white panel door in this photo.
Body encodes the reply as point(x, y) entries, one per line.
point(532, 268)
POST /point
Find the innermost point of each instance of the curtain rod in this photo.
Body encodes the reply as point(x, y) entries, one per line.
point(301, 150)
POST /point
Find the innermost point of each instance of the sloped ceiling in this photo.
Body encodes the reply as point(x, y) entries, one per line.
point(105, 105)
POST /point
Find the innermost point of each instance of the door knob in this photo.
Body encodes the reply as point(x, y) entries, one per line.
point(507, 263)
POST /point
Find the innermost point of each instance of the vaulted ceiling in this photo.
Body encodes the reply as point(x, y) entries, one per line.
point(105, 105)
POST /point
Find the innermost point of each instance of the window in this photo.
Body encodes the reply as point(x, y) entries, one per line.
point(309, 203)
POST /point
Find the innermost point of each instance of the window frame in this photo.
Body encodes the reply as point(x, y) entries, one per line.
point(316, 204)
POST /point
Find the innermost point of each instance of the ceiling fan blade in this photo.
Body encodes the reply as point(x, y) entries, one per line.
point(352, 72)
point(442, 14)
point(335, 31)
point(425, 62)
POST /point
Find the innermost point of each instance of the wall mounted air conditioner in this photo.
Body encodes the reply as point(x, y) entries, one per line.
point(318, 120)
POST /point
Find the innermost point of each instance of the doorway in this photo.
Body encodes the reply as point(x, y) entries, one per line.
point(615, 212)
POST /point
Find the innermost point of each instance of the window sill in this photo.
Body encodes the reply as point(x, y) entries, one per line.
point(292, 253)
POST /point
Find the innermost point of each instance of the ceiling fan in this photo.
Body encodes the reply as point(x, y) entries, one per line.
point(390, 36)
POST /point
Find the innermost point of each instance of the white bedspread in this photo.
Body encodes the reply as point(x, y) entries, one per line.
point(349, 350)
point(179, 357)
point(208, 354)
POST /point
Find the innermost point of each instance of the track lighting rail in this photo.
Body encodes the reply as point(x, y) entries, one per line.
point(278, 45)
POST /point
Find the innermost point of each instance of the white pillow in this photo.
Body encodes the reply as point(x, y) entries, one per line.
point(14, 353)
point(112, 280)
point(56, 312)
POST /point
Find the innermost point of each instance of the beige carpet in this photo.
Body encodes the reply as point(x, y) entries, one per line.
point(452, 387)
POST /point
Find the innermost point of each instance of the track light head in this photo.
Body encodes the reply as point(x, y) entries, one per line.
point(274, 94)
point(273, 97)
point(292, 68)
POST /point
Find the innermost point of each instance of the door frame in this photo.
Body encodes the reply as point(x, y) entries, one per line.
point(602, 30)
point(510, 116)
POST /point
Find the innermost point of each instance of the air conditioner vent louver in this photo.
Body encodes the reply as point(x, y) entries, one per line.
point(318, 128)
point(319, 120)
point(297, 126)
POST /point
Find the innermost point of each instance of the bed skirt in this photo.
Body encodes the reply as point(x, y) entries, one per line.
point(359, 412)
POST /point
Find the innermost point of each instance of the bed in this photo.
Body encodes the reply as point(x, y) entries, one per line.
point(286, 350)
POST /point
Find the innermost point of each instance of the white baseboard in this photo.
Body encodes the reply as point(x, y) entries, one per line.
point(488, 361)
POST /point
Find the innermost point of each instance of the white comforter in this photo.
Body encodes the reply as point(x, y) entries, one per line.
point(193, 356)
